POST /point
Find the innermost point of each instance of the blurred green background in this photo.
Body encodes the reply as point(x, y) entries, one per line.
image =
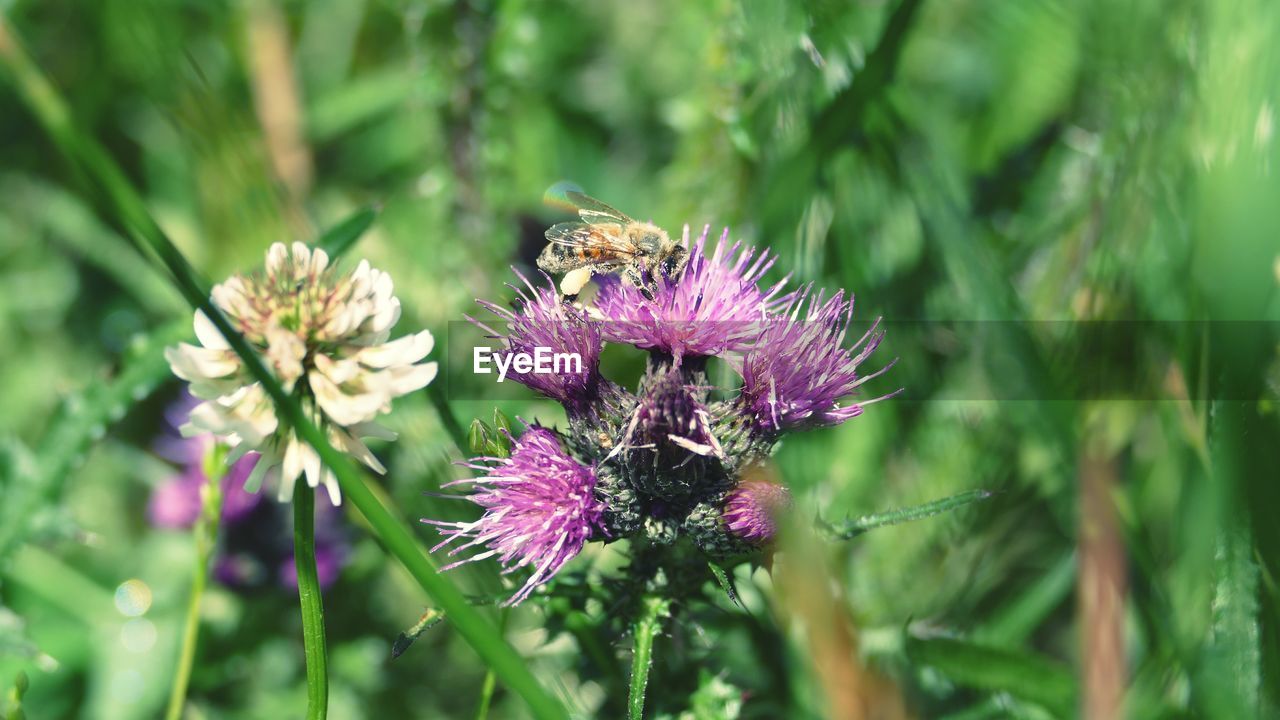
point(992, 162)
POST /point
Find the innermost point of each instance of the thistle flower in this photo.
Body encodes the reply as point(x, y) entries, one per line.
point(540, 509)
point(666, 462)
point(542, 319)
point(324, 334)
point(671, 413)
point(668, 435)
point(751, 510)
point(799, 369)
point(714, 307)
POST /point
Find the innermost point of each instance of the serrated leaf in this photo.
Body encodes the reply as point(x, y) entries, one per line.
point(726, 583)
point(856, 526)
point(1234, 675)
point(19, 482)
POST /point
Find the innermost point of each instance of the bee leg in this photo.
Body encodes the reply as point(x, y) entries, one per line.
point(635, 277)
point(574, 280)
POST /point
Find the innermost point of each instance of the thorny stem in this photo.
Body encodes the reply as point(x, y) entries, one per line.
point(304, 557)
point(646, 629)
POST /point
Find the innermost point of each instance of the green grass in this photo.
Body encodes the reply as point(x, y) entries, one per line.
point(988, 176)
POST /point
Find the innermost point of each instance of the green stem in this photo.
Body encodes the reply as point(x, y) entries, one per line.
point(206, 538)
point(486, 695)
point(490, 680)
point(435, 391)
point(121, 204)
point(309, 597)
point(646, 629)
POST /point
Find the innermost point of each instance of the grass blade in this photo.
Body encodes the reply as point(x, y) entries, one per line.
point(340, 238)
point(82, 418)
point(126, 208)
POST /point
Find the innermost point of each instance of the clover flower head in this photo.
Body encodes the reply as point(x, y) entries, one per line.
point(540, 509)
point(325, 336)
point(714, 306)
point(249, 529)
point(799, 368)
point(543, 323)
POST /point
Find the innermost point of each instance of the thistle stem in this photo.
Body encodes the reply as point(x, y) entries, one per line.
point(206, 539)
point(646, 629)
point(304, 556)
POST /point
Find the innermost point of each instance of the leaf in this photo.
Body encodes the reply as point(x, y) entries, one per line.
point(19, 482)
point(479, 435)
point(122, 204)
point(31, 482)
point(1011, 624)
point(1233, 673)
point(726, 583)
point(429, 619)
point(502, 434)
point(1023, 675)
point(715, 699)
point(85, 416)
point(340, 238)
point(856, 526)
point(14, 709)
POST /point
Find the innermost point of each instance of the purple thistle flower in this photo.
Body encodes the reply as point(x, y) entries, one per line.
point(540, 509)
point(671, 422)
point(751, 510)
point(714, 307)
point(799, 369)
point(542, 319)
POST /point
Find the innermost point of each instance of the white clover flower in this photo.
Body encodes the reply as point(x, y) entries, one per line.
point(324, 336)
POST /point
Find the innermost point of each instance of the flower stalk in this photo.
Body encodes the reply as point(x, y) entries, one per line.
point(205, 533)
point(653, 610)
point(311, 601)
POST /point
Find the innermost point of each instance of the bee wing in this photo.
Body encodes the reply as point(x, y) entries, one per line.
point(574, 245)
point(593, 211)
point(578, 235)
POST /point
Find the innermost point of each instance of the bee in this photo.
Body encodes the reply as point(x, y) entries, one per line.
point(607, 241)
